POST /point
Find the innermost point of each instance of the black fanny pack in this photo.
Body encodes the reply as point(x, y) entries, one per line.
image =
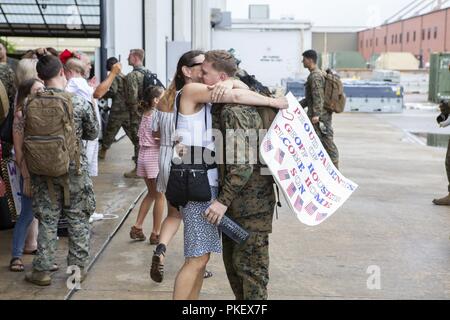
point(188, 179)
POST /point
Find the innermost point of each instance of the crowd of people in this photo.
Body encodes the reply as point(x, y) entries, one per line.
point(56, 146)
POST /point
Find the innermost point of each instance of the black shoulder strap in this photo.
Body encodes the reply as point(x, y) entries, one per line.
point(178, 102)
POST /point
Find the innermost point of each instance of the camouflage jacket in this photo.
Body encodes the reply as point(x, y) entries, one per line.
point(314, 94)
point(117, 94)
point(86, 123)
point(134, 88)
point(249, 196)
point(8, 78)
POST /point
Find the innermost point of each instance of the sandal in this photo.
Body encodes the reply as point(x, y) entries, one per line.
point(157, 269)
point(154, 239)
point(16, 265)
point(208, 274)
point(137, 234)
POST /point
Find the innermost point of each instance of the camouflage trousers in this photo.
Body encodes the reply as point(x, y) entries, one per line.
point(447, 165)
point(325, 133)
point(130, 124)
point(247, 266)
point(48, 212)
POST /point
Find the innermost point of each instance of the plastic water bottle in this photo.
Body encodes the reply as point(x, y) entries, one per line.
point(233, 230)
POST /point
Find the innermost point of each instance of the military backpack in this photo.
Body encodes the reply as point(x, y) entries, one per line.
point(151, 79)
point(335, 98)
point(50, 141)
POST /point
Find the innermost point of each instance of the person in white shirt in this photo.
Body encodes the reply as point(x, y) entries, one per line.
point(78, 85)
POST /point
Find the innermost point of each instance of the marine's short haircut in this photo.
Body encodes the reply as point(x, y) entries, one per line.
point(311, 54)
point(222, 61)
point(140, 53)
point(48, 67)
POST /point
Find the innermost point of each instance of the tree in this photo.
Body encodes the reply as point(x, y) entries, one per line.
point(10, 47)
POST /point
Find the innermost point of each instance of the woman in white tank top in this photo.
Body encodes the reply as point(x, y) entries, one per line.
point(201, 238)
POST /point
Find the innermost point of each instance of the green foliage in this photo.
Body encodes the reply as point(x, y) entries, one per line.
point(10, 47)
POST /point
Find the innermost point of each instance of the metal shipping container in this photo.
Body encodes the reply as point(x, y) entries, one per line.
point(439, 87)
point(371, 96)
point(363, 96)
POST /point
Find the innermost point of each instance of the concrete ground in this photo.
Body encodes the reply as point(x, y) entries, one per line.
point(114, 195)
point(388, 225)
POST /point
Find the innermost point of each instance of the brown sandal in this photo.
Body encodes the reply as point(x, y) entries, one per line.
point(137, 234)
point(16, 265)
point(154, 239)
point(157, 269)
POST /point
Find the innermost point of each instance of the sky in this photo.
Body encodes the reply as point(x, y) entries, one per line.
point(348, 13)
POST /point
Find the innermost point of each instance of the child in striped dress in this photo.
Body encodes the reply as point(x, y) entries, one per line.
point(148, 168)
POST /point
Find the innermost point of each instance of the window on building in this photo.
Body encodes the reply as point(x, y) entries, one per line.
point(371, 43)
point(396, 38)
point(376, 42)
point(414, 36)
point(401, 37)
point(392, 40)
point(429, 34)
point(367, 43)
point(407, 37)
point(385, 40)
point(435, 32)
point(423, 34)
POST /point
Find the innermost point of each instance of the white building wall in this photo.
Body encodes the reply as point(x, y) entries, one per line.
point(158, 30)
point(270, 50)
point(124, 29)
point(183, 21)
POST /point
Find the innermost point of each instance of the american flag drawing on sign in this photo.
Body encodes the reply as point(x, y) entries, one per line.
point(279, 156)
point(268, 146)
point(299, 204)
point(284, 175)
point(291, 190)
point(311, 209)
point(321, 216)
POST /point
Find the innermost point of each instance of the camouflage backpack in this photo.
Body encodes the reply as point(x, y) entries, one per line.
point(50, 142)
point(335, 98)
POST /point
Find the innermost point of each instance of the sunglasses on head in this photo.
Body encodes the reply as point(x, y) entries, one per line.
point(195, 64)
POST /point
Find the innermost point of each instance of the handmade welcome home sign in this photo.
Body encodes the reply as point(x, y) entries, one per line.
point(312, 185)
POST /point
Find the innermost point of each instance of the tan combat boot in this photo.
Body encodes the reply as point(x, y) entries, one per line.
point(39, 278)
point(132, 174)
point(102, 153)
point(442, 202)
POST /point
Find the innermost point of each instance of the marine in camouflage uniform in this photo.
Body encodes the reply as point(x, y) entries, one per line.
point(134, 97)
point(314, 100)
point(119, 115)
point(82, 200)
point(250, 199)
